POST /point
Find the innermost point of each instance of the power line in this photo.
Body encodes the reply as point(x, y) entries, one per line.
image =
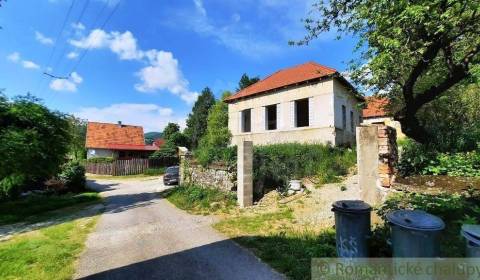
point(62, 53)
point(112, 12)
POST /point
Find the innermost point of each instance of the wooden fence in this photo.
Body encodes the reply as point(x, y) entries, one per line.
point(122, 167)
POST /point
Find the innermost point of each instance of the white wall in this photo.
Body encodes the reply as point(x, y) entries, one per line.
point(93, 153)
point(343, 96)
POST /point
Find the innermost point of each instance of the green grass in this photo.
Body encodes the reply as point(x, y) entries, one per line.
point(271, 237)
point(33, 207)
point(200, 200)
point(48, 253)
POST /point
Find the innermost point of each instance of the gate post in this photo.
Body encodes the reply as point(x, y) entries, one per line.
point(245, 173)
point(377, 156)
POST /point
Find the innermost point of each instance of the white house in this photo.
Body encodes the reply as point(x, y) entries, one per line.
point(307, 103)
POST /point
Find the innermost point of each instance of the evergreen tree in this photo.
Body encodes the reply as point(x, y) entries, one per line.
point(197, 119)
point(246, 81)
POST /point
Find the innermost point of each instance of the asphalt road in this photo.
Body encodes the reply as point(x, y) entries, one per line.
point(142, 236)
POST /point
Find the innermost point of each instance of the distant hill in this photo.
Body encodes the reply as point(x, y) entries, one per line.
point(151, 136)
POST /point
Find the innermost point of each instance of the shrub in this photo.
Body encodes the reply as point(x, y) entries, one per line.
point(101, 160)
point(11, 186)
point(155, 171)
point(418, 159)
point(276, 164)
point(73, 176)
point(453, 209)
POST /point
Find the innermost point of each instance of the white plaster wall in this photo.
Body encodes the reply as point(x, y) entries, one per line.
point(320, 130)
point(343, 96)
point(93, 153)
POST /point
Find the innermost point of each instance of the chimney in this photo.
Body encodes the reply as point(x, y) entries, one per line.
point(119, 123)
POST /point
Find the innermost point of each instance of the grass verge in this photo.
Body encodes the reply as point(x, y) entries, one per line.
point(271, 237)
point(201, 200)
point(33, 206)
point(48, 253)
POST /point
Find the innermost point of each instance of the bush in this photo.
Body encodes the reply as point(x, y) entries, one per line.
point(418, 159)
point(277, 164)
point(453, 209)
point(155, 171)
point(11, 186)
point(73, 176)
point(101, 160)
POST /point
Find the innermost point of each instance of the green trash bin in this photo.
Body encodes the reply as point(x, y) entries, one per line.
point(352, 226)
point(415, 234)
point(472, 238)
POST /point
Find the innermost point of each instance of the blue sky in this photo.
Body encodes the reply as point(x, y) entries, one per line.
point(147, 64)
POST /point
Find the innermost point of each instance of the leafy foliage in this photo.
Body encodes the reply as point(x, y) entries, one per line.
point(196, 199)
point(197, 119)
point(167, 154)
point(410, 51)
point(453, 209)
point(246, 81)
point(78, 132)
point(277, 164)
point(170, 129)
point(214, 144)
point(155, 171)
point(73, 176)
point(35, 141)
point(418, 159)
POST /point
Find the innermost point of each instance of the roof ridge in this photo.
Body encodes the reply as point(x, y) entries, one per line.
point(116, 124)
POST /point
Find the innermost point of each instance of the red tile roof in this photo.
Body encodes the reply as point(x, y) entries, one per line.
point(375, 107)
point(109, 135)
point(159, 142)
point(285, 77)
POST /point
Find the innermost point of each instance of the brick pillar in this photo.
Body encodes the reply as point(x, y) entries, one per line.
point(376, 159)
point(245, 174)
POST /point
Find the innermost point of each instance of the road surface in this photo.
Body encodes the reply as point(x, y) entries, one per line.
point(142, 236)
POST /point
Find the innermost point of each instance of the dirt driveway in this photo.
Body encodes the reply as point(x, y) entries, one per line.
point(142, 236)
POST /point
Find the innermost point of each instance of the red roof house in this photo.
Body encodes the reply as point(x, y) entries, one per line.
point(117, 141)
point(375, 108)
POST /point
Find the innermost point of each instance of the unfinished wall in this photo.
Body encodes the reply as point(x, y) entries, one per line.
point(377, 156)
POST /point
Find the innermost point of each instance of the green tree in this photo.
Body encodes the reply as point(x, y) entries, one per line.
point(213, 145)
point(35, 142)
point(246, 81)
point(197, 119)
point(170, 129)
point(78, 133)
point(411, 51)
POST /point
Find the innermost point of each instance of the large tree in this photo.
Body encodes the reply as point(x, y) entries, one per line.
point(246, 81)
point(213, 145)
point(170, 129)
point(197, 119)
point(410, 51)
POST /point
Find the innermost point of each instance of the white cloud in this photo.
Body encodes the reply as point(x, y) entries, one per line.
point(78, 26)
point(151, 116)
point(162, 73)
point(14, 57)
point(67, 85)
point(72, 55)
point(199, 7)
point(43, 39)
point(30, 64)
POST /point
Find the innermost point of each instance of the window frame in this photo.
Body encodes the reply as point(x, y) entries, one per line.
point(274, 110)
point(243, 121)
point(306, 117)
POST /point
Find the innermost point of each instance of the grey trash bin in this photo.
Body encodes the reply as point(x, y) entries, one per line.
point(352, 224)
point(472, 237)
point(415, 234)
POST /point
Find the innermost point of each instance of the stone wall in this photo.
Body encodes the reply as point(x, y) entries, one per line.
point(215, 176)
point(387, 155)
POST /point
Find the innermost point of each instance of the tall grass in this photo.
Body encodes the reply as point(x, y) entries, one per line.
point(278, 163)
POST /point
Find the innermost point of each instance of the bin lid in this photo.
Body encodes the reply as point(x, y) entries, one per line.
point(351, 206)
point(471, 233)
point(415, 219)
